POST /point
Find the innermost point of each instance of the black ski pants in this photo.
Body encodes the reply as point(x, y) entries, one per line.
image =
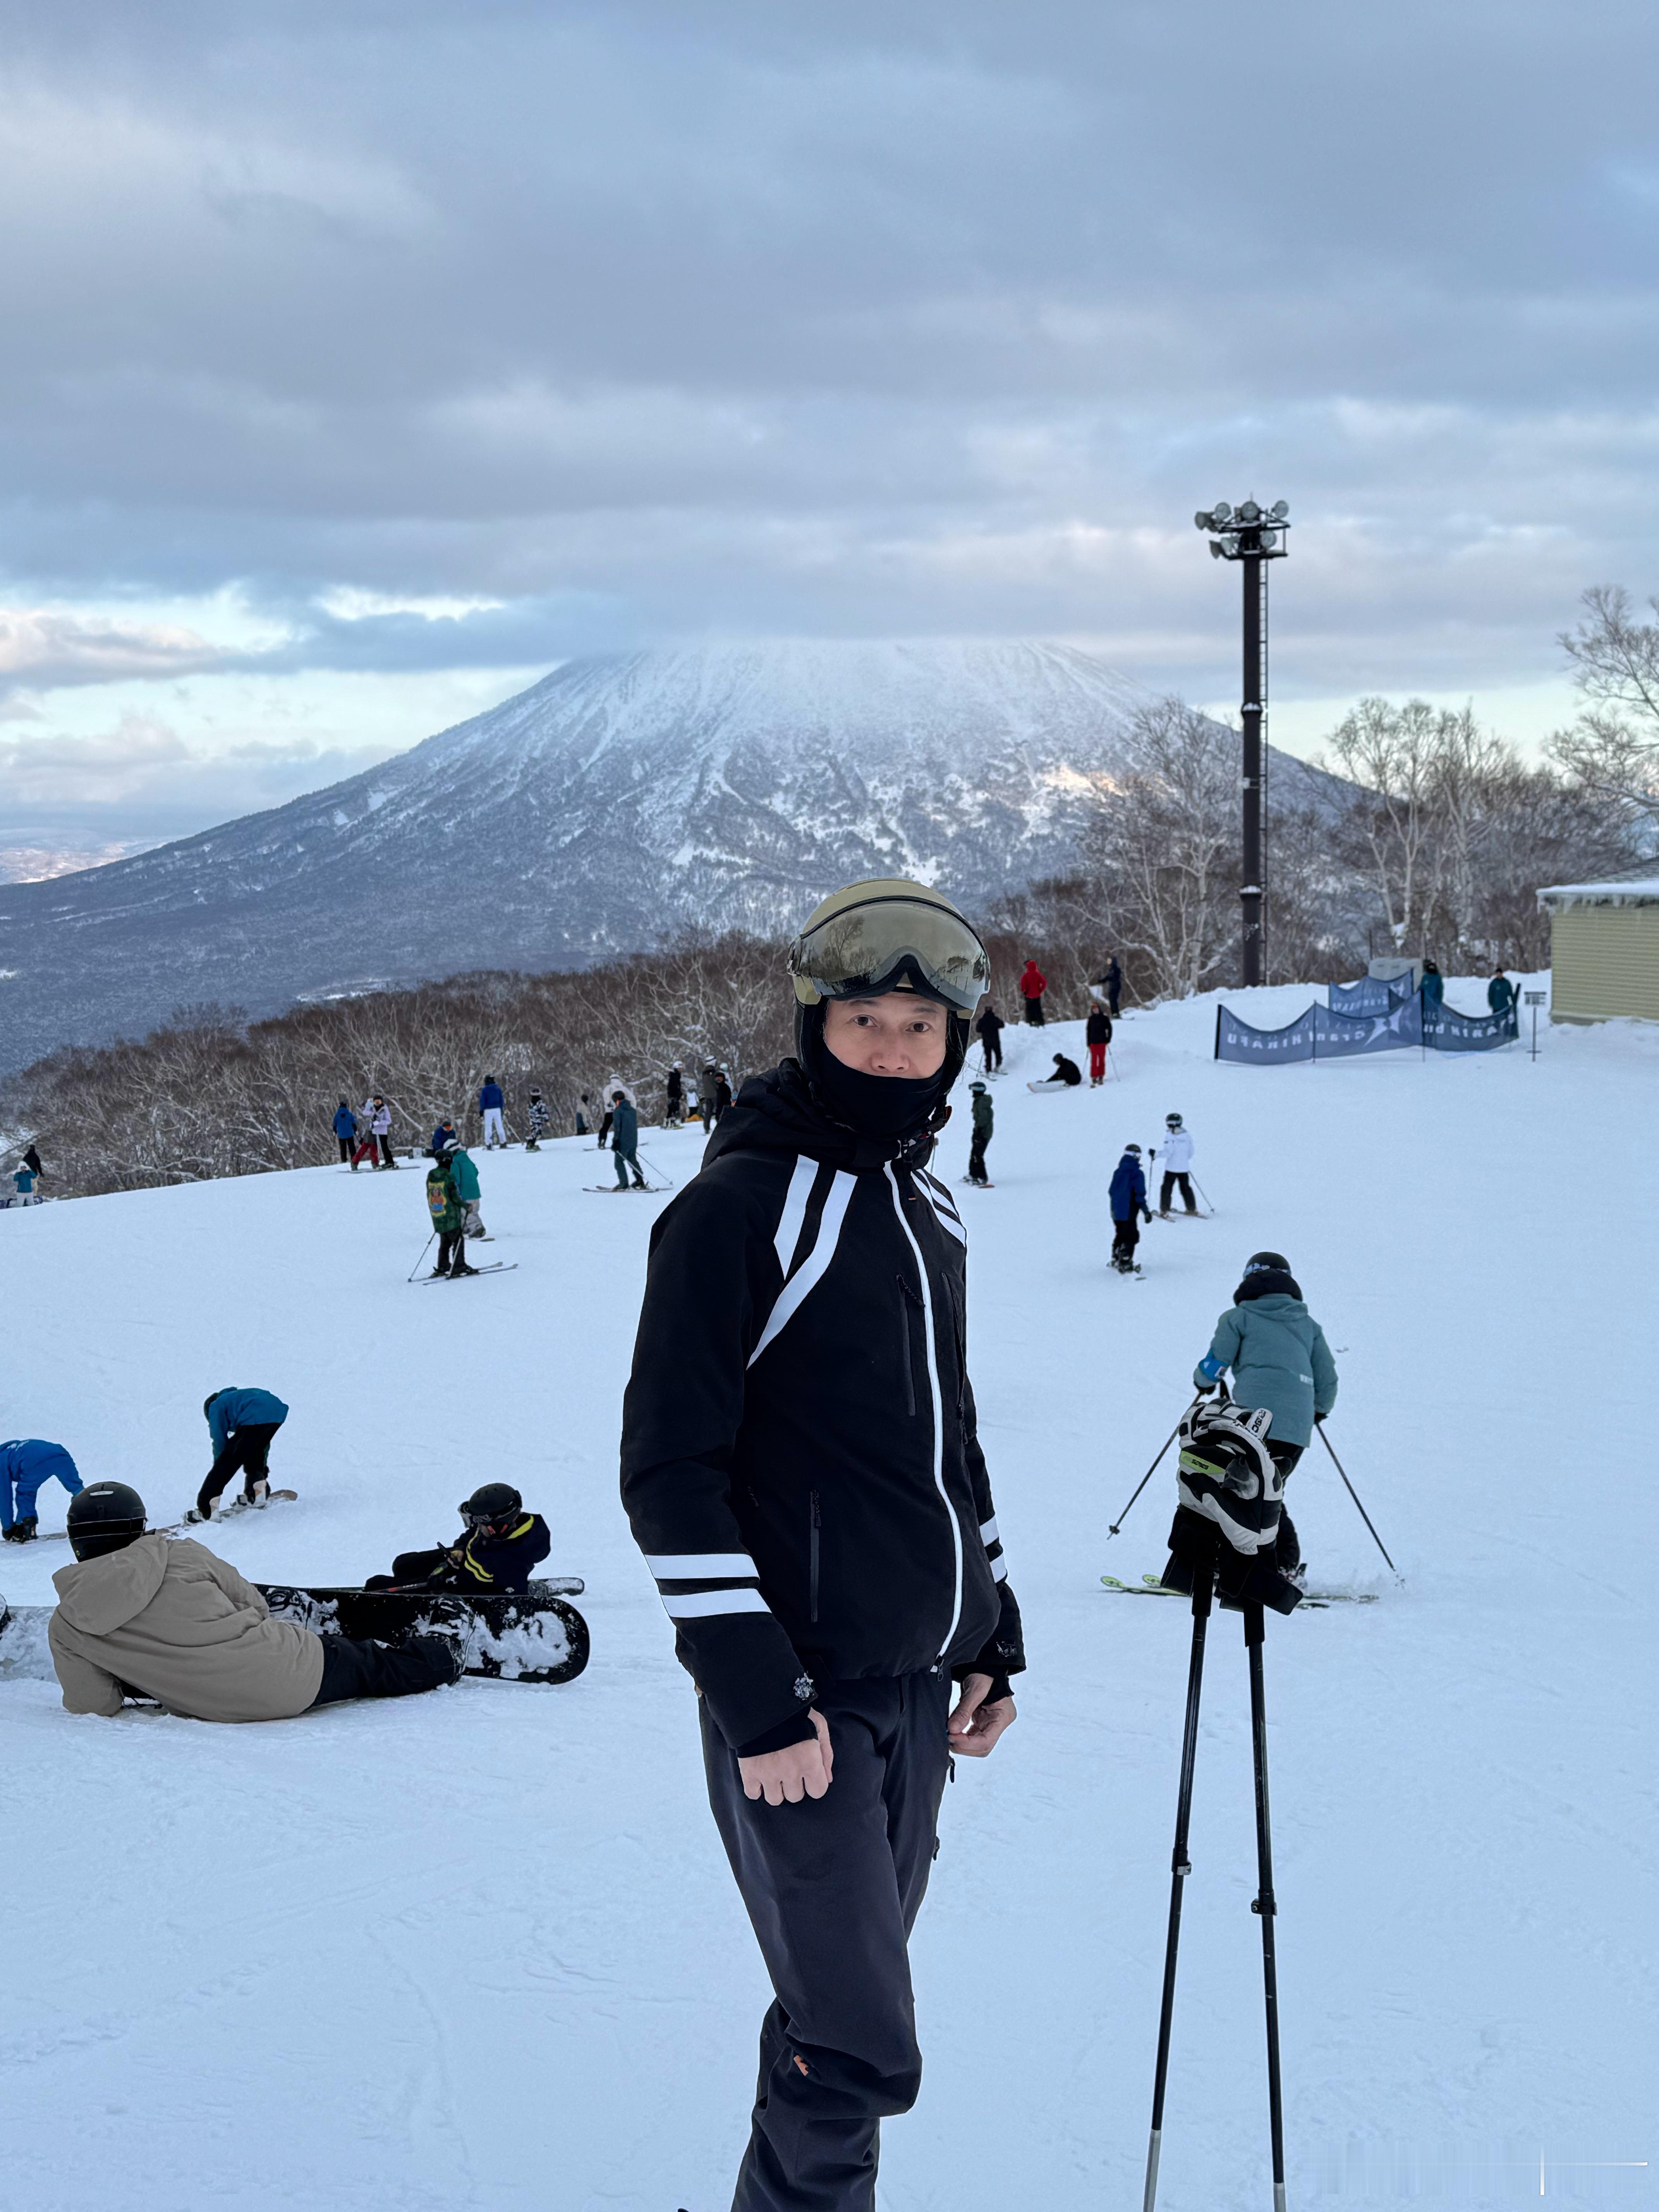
point(977, 1159)
point(344, 1144)
point(832, 1888)
point(625, 1160)
point(247, 1451)
point(1287, 1552)
point(1167, 1192)
point(992, 1043)
point(1126, 1234)
point(452, 1251)
point(1034, 1013)
point(355, 1668)
point(386, 1159)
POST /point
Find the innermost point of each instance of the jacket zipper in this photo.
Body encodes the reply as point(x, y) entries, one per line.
point(813, 1501)
point(939, 1414)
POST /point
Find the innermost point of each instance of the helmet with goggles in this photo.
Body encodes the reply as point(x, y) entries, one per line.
point(889, 934)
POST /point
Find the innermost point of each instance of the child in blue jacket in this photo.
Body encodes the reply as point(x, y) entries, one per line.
point(25, 1463)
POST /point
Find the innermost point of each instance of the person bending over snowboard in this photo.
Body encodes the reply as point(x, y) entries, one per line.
point(153, 1616)
point(1279, 1359)
point(242, 1424)
point(496, 1550)
point(801, 1468)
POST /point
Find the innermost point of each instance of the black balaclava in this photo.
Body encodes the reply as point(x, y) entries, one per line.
point(887, 1107)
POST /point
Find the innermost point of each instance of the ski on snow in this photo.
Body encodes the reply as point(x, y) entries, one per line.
point(496, 1267)
point(1149, 1586)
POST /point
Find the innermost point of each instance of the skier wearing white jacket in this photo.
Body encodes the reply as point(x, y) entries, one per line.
point(1177, 1160)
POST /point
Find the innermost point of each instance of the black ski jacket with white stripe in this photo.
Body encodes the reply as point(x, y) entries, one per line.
point(800, 1459)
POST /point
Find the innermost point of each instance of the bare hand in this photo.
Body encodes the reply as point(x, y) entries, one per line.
point(974, 1726)
point(800, 1770)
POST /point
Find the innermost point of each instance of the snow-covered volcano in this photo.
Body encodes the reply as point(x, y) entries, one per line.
point(623, 798)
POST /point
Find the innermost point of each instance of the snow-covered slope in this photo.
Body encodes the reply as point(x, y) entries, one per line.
point(479, 1951)
point(622, 799)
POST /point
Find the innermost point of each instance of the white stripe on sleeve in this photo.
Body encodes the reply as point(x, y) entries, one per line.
point(814, 1266)
point(699, 1566)
point(999, 1571)
point(987, 1530)
point(697, 1605)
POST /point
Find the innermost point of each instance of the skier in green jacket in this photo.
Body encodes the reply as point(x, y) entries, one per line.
point(625, 1138)
point(448, 1197)
point(1279, 1359)
point(984, 1127)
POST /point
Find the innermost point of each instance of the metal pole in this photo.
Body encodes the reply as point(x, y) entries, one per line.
point(1250, 712)
point(1354, 1494)
point(1180, 1866)
point(1115, 1525)
point(1265, 1904)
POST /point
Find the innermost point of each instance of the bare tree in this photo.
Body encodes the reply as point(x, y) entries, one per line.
point(1612, 750)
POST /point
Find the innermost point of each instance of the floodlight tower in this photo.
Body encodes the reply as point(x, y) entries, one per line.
point(1254, 535)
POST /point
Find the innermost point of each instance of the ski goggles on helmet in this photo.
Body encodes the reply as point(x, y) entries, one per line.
point(881, 938)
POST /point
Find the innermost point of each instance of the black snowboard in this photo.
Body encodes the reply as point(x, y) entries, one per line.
point(533, 1636)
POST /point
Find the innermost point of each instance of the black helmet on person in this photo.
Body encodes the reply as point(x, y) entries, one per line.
point(886, 933)
point(1172, 1121)
point(1267, 1260)
point(492, 1504)
point(1135, 1149)
point(1267, 1275)
point(105, 1516)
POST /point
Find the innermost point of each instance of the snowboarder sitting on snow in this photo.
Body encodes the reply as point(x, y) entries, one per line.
point(496, 1550)
point(25, 1463)
point(1097, 1034)
point(1128, 1199)
point(148, 1616)
point(540, 1121)
point(1279, 1359)
point(985, 1124)
point(1177, 1163)
point(447, 1201)
point(241, 1423)
point(1067, 1075)
point(442, 1135)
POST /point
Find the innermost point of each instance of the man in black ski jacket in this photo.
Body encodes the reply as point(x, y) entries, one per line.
point(802, 1470)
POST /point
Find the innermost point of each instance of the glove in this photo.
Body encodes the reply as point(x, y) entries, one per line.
point(1319, 1420)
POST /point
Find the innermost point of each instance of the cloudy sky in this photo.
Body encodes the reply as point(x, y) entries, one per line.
point(361, 360)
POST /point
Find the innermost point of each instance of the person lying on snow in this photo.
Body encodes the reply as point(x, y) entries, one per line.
point(150, 1616)
point(496, 1550)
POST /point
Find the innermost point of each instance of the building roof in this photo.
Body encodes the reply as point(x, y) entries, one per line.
point(1642, 890)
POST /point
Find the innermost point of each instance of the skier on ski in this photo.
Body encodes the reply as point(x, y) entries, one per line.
point(499, 1546)
point(722, 1095)
point(801, 1468)
point(984, 1130)
point(241, 1423)
point(1279, 1359)
point(446, 1202)
point(380, 1124)
point(1097, 1034)
point(1127, 1199)
point(164, 1617)
point(1067, 1076)
point(674, 1095)
point(25, 1463)
point(491, 1099)
point(625, 1138)
point(988, 1029)
point(1177, 1165)
point(345, 1129)
point(540, 1122)
point(1032, 985)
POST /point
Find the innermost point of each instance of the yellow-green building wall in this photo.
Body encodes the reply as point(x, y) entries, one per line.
point(1604, 962)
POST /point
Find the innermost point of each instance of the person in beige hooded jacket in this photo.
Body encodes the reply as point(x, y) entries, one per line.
point(147, 1615)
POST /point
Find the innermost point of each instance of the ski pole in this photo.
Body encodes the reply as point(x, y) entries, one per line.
point(1254, 1631)
point(1203, 1194)
point(1354, 1494)
point(668, 1181)
point(1143, 1481)
point(1180, 1865)
point(415, 1269)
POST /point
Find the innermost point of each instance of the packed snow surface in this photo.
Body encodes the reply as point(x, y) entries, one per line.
point(479, 1951)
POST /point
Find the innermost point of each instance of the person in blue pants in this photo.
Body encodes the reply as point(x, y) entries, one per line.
point(241, 1423)
point(25, 1463)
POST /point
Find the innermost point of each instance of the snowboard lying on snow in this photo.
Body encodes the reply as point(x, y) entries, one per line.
point(533, 1636)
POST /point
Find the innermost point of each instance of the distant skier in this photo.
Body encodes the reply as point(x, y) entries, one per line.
point(1097, 1034)
point(581, 1114)
point(380, 1122)
point(447, 1203)
point(1032, 985)
point(149, 1615)
point(25, 1463)
point(1500, 994)
point(625, 1138)
point(364, 1147)
point(1433, 989)
point(241, 1423)
point(1067, 1076)
point(1127, 1199)
point(540, 1122)
point(1279, 1359)
point(1108, 985)
point(442, 1137)
point(722, 1094)
point(491, 1099)
point(674, 1097)
point(22, 1180)
point(345, 1129)
point(984, 1130)
point(988, 1029)
point(691, 1111)
point(499, 1547)
point(1177, 1164)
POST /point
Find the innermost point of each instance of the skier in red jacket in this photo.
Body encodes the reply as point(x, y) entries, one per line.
point(1033, 983)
